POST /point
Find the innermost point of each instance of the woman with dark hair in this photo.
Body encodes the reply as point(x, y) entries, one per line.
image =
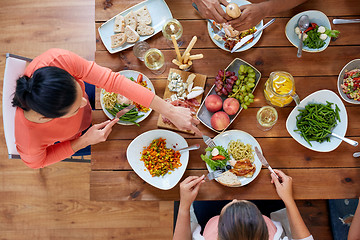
point(240, 219)
point(53, 108)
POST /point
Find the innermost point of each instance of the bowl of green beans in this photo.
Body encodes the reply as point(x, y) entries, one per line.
point(315, 118)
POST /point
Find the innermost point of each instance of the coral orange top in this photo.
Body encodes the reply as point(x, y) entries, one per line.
point(36, 141)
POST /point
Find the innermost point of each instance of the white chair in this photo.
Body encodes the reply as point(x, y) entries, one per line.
point(14, 68)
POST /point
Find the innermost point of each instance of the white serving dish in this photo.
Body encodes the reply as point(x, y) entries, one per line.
point(135, 148)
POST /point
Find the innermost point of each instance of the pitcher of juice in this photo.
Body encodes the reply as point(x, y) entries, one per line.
point(279, 89)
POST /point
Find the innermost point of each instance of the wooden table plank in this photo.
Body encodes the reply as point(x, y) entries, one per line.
point(246, 121)
point(183, 9)
point(111, 155)
point(308, 184)
point(273, 36)
point(266, 60)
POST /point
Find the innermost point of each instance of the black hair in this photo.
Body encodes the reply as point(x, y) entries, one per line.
point(50, 91)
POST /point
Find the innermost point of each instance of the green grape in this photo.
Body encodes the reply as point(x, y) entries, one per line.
point(235, 88)
point(250, 70)
point(251, 100)
point(251, 75)
point(246, 79)
point(247, 103)
point(241, 77)
point(242, 68)
point(241, 98)
point(248, 89)
point(243, 89)
point(251, 95)
point(250, 85)
point(246, 98)
point(237, 82)
point(251, 80)
point(237, 97)
point(245, 107)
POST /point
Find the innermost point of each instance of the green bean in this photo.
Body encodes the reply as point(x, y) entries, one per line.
point(131, 116)
point(316, 121)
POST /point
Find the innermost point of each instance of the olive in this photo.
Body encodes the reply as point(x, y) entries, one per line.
point(228, 167)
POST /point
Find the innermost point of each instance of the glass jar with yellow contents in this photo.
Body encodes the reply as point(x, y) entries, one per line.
point(279, 89)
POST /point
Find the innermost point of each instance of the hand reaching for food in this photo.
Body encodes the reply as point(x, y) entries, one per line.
point(182, 118)
point(251, 15)
point(211, 9)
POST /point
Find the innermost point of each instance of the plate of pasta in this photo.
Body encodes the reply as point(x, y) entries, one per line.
point(111, 103)
point(240, 158)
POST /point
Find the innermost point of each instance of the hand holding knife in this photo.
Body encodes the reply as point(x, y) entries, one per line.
point(265, 163)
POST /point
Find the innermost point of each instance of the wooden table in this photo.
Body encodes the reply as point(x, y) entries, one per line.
point(315, 175)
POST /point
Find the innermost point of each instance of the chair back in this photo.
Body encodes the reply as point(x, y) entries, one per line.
point(14, 68)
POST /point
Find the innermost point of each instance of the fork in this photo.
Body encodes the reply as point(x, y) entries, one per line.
point(213, 175)
point(208, 141)
point(215, 28)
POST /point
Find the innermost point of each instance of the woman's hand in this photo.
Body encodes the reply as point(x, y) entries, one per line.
point(211, 9)
point(189, 189)
point(182, 118)
point(283, 189)
point(95, 134)
point(251, 15)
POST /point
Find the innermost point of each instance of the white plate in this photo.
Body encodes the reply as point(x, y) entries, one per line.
point(134, 75)
point(222, 43)
point(225, 138)
point(319, 97)
point(159, 12)
point(135, 148)
point(315, 17)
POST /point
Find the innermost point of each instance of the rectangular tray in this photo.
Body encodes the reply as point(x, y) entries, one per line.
point(204, 115)
point(159, 12)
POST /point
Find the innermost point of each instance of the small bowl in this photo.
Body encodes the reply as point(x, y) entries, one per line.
point(349, 66)
point(315, 17)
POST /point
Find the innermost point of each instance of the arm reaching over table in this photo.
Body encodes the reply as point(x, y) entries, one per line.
point(211, 9)
point(284, 190)
point(252, 14)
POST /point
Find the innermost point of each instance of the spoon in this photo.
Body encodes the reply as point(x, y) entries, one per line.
point(347, 140)
point(192, 147)
point(303, 24)
point(356, 154)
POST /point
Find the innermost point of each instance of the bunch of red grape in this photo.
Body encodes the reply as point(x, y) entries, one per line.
point(224, 82)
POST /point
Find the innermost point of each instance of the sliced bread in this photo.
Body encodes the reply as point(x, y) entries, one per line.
point(229, 179)
point(119, 25)
point(143, 15)
point(131, 35)
point(117, 40)
point(143, 29)
point(130, 20)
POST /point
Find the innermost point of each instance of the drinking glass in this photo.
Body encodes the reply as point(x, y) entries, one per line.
point(140, 49)
point(173, 27)
point(155, 61)
point(266, 118)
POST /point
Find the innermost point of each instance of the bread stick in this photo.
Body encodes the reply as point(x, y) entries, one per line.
point(176, 48)
point(190, 46)
point(186, 58)
point(189, 63)
point(183, 66)
point(176, 62)
point(196, 56)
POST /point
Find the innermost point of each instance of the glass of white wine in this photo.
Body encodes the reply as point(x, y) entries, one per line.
point(155, 61)
point(173, 27)
point(266, 117)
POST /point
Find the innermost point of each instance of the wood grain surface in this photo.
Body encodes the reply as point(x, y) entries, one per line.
point(312, 72)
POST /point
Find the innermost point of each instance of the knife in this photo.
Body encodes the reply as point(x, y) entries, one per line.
point(344, 21)
point(124, 111)
point(264, 162)
point(254, 35)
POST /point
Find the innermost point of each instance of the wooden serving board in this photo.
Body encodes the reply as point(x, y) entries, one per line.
point(199, 81)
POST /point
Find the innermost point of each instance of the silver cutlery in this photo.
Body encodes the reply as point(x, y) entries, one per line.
point(208, 141)
point(189, 148)
point(356, 154)
point(213, 175)
point(344, 21)
point(347, 140)
point(254, 35)
point(124, 111)
point(215, 28)
point(303, 24)
point(264, 162)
